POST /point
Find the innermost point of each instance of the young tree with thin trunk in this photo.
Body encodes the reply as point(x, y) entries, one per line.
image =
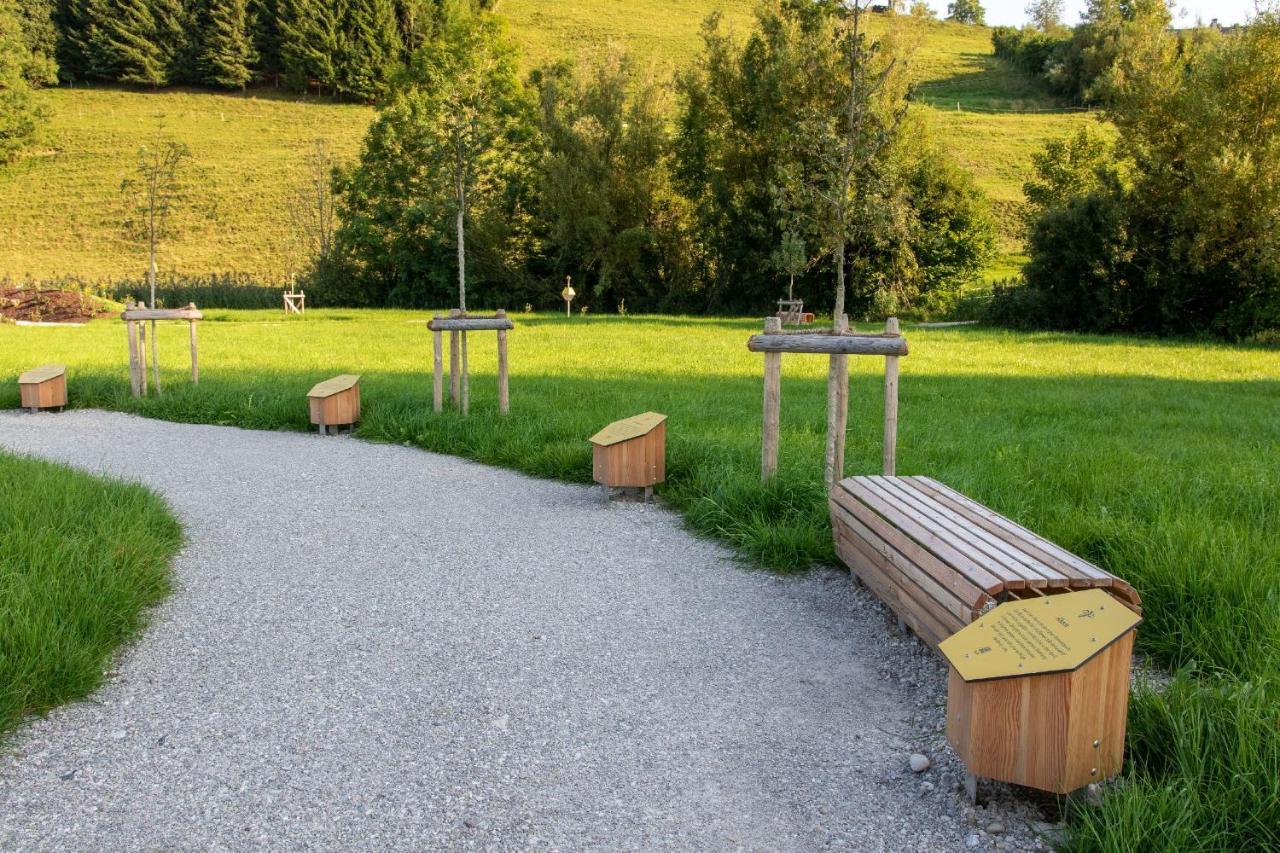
point(842, 180)
point(152, 191)
point(469, 80)
point(312, 206)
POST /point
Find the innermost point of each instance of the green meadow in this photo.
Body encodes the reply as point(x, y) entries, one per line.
point(1155, 459)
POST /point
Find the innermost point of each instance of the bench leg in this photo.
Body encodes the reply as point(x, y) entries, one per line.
point(322, 429)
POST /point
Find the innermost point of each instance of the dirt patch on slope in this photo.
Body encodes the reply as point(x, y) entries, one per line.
point(49, 306)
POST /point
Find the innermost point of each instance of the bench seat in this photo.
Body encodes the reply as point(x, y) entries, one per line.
point(940, 559)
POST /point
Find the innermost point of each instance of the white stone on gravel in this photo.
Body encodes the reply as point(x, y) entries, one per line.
point(919, 763)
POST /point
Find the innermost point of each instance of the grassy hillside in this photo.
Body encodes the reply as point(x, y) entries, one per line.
point(61, 206)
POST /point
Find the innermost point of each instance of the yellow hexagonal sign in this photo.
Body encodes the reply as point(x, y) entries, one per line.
point(1056, 633)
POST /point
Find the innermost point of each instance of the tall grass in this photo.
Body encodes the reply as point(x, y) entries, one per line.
point(1155, 459)
point(80, 560)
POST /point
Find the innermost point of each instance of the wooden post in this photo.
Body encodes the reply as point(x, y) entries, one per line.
point(142, 354)
point(155, 356)
point(437, 371)
point(466, 379)
point(135, 385)
point(195, 358)
point(772, 404)
point(891, 405)
point(837, 411)
point(454, 351)
point(504, 396)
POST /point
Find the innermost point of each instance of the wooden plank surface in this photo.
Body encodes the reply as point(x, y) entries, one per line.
point(336, 385)
point(469, 324)
point(42, 374)
point(843, 344)
point(627, 429)
point(188, 313)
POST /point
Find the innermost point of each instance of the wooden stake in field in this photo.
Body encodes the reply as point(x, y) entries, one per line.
point(457, 324)
point(136, 316)
point(838, 344)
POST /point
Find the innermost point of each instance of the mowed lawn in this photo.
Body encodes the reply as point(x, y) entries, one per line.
point(1155, 459)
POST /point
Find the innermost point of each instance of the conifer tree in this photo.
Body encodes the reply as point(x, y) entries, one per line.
point(125, 44)
point(226, 49)
point(264, 24)
point(19, 114)
point(310, 41)
point(176, 38)
point(371, 49)
point(77, 22)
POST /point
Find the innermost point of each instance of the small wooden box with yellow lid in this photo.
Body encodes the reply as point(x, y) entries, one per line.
point(1039, 690)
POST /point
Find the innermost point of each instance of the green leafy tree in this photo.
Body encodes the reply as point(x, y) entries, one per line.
point(791, 258)
point(40, 37)
point(741, 105)
point(1174, 230)
point(371, 49)
point(443, 177)
point(227, 54)
point(842, 179)
point(1046, 15)
point(77, 23)
point(20, 116)
point(612, 216)
point(966, 12)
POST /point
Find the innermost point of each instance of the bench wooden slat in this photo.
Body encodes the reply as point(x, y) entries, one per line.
point(1035, 572)
point(990, 521)
point(961, 603)
point(1084, 567)
point(912, 606)
point(924, 530)
point(940, 559)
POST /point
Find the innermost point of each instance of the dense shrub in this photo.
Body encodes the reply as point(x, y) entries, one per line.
point(1171, 230)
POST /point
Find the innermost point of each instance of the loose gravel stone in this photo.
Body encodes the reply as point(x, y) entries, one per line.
point(348, 661)
point(919, 763)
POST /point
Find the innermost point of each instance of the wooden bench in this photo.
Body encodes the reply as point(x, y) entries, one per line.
point(940, 559)
point(335, 402)
point(44, 388)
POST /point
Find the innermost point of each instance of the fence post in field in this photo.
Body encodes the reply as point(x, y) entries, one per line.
point(135, 385)
point(454, 352)
point(891, 405)
point(504, 395)
point(772, 404)
point(437, 371)
point(142, 353)
point(837, 409)
point(195, 358)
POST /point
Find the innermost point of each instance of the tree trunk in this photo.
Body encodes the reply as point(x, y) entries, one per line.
point(838, 311)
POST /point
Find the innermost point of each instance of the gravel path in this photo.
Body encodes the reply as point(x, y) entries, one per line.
point(373, 647)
